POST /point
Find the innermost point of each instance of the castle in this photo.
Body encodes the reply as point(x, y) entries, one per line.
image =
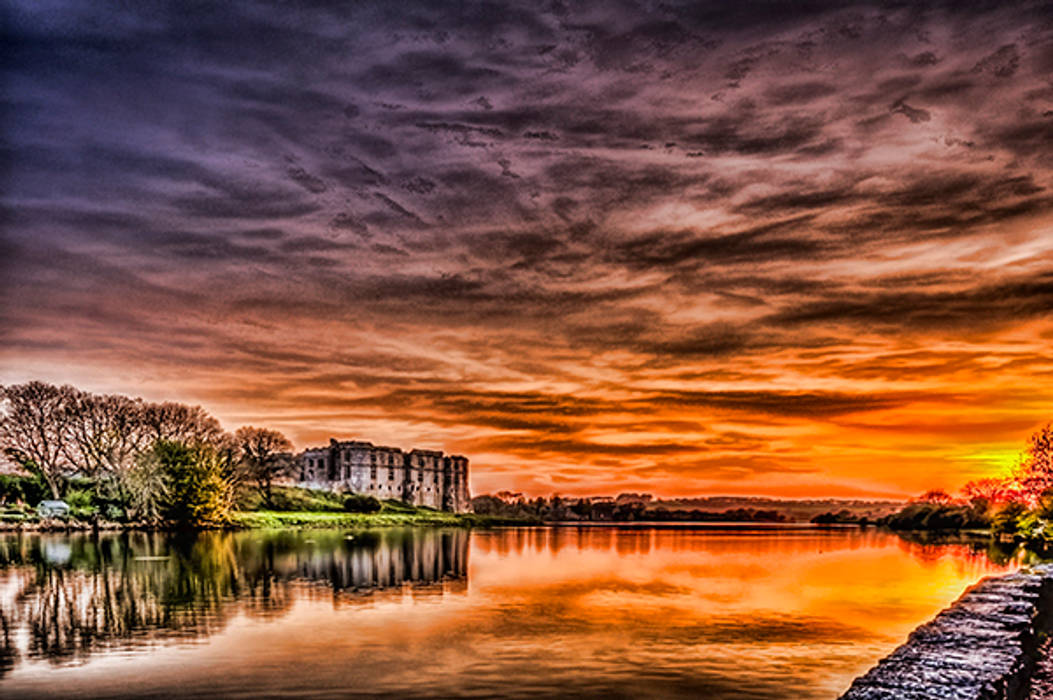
point(417, 477)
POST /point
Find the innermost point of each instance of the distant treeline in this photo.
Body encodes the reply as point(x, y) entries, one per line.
point(627, 507)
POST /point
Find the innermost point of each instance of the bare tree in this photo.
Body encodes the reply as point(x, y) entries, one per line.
point(265, 455)
point(182, 423)
point(35, 429)
point(147, 487)
point(108, 433)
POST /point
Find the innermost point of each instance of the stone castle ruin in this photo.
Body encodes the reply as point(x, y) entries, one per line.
point(418, 477)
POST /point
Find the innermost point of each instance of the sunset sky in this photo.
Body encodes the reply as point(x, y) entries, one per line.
point(786, 248)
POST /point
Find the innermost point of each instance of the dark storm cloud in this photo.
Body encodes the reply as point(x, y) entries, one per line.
point(534, 446)
point(784, 403)
point(912, 113)
point(671, 249)
point(979, 308)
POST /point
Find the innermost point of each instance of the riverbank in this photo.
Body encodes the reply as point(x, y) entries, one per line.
point(287, 507)
point(390, 514)
point(276, 520)
point(985, 646)
point(280, 519)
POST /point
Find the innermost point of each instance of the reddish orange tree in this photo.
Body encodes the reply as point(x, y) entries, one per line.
point(992, 491)
point(937, 497)
point(1034, 474)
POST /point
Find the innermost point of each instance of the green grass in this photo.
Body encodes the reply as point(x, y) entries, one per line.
point(307, 519)
point(292, 499)
point(294, 507)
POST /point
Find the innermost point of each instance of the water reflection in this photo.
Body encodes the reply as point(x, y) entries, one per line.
point(596, 612)
point(76, 595)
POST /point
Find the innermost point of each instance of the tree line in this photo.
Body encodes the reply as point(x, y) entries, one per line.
point(1019, 504)
point(136, 459)
point(626, 507)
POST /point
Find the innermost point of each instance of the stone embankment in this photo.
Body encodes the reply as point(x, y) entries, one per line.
point(983, 647)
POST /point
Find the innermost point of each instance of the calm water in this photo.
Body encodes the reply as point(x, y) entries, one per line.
point(600, 612)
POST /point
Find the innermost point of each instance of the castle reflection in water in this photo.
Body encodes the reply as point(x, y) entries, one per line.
point(66, 597)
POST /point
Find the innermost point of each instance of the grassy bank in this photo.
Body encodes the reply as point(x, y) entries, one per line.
point(288, 508)
point(272, 519)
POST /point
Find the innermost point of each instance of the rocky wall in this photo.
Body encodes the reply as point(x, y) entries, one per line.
point(980, 648)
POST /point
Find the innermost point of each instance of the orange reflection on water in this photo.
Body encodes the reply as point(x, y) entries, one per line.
point(549, 612)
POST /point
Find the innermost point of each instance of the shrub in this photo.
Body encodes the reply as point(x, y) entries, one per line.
point(81, 503)
point(78, 498)
point(356, 503)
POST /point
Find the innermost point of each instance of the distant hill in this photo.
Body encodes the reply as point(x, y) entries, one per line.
point(794, 510)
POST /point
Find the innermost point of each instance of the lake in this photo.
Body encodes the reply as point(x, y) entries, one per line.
point(611, 612)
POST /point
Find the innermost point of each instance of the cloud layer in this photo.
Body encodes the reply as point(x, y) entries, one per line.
point(785, 248)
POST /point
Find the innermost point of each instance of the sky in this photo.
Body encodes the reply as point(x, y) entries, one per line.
point(758, 248)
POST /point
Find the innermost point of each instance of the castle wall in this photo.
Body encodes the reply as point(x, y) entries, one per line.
point(418, 477)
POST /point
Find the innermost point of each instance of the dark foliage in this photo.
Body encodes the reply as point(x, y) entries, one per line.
point(938, 516)
point(735, 515)
point(624, 508)
point(841, 517)
point(27, 489)
point(356, 503)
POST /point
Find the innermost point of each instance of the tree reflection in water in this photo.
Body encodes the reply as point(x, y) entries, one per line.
point(69, 596)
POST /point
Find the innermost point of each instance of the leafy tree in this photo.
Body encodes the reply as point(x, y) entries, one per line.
point(582, 508)
point(488, 505)
point(190, 484)
point(1037, 524)
point(35, 430)
point(28, 489)
point(265, 457)
point(1007, 518)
